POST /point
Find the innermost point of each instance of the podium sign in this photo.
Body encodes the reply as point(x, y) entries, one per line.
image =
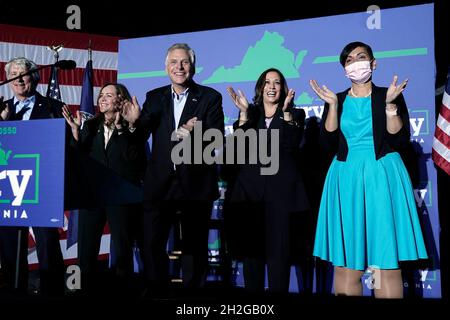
point(32, 173)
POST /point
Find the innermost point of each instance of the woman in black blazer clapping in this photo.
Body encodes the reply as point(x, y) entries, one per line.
point(118, 168)
point(266, 194)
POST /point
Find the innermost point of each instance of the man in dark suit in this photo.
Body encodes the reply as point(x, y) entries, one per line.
point(28, 104)
point(187, 189)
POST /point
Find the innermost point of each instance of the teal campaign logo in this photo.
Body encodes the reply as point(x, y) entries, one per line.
point(423, 195)
point(19, 182)
point(4, 156)
point(419, 124)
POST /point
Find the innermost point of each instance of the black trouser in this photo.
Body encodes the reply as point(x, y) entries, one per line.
point(123, 222)
point(259, 234)
point(51, 264)
point(158, 220)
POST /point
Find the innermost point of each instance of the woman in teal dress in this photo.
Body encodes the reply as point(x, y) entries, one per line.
point(368, 216)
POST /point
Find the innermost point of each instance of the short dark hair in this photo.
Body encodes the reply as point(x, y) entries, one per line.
point(352, 46)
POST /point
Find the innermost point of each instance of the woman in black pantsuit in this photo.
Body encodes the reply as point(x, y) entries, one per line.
point(108, 140)
point(261, 203)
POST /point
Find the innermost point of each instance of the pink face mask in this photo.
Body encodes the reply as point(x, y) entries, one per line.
point(359, 71)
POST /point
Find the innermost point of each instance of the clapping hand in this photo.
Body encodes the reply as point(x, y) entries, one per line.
point(131, 110)
point(74, 123)
point(324, 93)
point(185, 129)
point(394, 90)
point(118, 121)
point(4, 109)
point(288, 100)
point(239, 99)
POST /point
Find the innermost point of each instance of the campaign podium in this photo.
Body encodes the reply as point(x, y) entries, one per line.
point(32, 157)
point(42, 174)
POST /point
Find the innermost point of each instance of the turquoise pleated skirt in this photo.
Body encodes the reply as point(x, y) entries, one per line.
point(368, 214)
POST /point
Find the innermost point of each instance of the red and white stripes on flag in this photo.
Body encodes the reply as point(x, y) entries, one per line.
point(441, 142)
point(32, 43)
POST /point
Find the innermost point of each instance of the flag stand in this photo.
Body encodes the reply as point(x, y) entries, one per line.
point(16, 276)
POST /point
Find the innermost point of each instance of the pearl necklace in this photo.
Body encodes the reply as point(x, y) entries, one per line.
point(353, 94)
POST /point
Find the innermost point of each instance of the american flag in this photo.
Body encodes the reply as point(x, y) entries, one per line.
point(87, 108)
point(441, 142)
point(33, 43)
point(87, 111)
point(53, 85)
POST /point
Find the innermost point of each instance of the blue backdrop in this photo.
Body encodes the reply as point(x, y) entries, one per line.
point(403, 43)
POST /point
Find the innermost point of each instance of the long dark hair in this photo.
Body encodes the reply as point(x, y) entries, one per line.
point(121, 90)
point(122, 93)
point(259, 88)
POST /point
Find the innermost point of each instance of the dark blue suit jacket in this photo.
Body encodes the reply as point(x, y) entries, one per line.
point(199, 182)
point(44, 108)
point(285, 187)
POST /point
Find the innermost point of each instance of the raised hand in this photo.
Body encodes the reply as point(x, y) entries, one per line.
point(238, 99)
point(185, 129)
point(131, 110)
point(324, 93)
point(4, 109)
point(117, 121)
point(289, 97)
point(394, 90)
point(74, 123)
point(3, 105)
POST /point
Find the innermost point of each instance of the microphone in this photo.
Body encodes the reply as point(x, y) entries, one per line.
point(66, 64)
point(62, 64)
